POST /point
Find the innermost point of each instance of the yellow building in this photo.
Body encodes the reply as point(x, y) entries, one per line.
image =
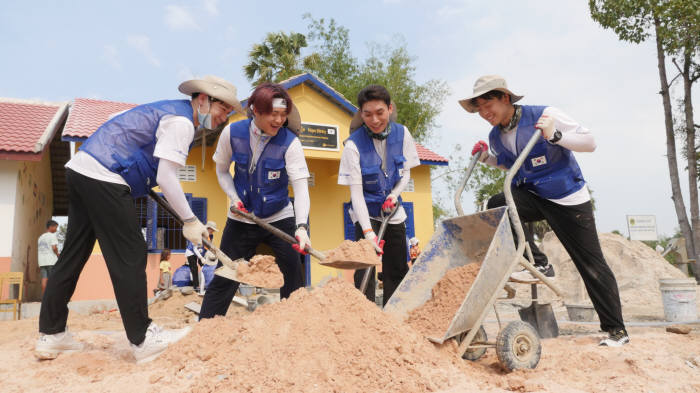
point(326, 118)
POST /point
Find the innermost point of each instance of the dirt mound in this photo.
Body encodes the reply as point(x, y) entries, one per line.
point(434, 316)
point(328, 339)
point(636, 266)
point(171, 312)
point(262, 271)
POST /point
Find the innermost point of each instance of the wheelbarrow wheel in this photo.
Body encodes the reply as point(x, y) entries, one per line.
point(474, 353)
point(518, 346)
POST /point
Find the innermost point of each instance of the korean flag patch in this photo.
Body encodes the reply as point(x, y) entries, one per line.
point(274, 175)
point(537, 161)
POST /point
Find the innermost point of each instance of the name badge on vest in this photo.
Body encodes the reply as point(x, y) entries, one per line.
point(537, 161)
point(274, 175)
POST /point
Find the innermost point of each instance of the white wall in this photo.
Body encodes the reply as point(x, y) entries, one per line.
point(8, 192)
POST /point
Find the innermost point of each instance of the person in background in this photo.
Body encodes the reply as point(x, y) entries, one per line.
point(192, 258)
point(47, 248)
point(165, 268)
point(268, 158)
point(123, 159)
point(414, 251)
point(376, 164)
point(549, 186)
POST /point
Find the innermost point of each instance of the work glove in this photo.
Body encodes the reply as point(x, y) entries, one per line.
point(210, 258)
point(303, 238)
point(481, 148)
point(236, 204)
point(390, 203)
point(546, 124)
point(194, 230)
point(378, 246)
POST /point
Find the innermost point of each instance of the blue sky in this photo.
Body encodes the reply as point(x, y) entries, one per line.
point(550, 51)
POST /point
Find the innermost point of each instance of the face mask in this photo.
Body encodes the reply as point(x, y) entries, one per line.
point(204, 119)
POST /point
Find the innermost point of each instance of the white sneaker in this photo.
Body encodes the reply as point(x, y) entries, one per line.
point(156, 341)
point(615, 339)
point(49, 346)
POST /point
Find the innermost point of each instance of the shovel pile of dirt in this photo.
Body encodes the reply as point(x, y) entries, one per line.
point(330, 339)
point(362, 250)
point(636, 266)
point(434, 316)
point(261, 271)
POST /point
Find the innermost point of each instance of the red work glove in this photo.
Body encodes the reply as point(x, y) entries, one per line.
point(390, 203)
point(303, 238)
point(480, 146)
point(378, 246)
point(238, 205)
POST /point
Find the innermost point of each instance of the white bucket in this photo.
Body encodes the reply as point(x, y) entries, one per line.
point(679, 298)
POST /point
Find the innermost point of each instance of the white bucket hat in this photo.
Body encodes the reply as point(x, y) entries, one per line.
point(215, 87)
point(212, 225)
point(357, 121)
point(484, 85)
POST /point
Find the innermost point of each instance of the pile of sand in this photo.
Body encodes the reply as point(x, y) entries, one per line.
point(261, 271)
point(636, 266)
point(330, 339)
point(361, 251)
point(433, 318)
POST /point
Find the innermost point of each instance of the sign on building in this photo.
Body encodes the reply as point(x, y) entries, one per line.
point(319, 136)
point(642, 227)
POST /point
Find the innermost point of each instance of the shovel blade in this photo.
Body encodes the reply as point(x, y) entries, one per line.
point(347, 265)
point(541, 317)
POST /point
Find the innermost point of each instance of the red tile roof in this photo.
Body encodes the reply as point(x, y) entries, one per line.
point(87, 115)
point(426, 154)
point(23, 124)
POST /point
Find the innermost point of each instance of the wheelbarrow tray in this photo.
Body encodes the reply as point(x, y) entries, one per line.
point(484, 237)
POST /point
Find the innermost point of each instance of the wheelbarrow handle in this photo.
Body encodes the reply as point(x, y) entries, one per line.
point(277, 232)
point(463, 184)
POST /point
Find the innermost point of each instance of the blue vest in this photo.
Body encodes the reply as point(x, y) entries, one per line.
point(264, 192)
point(125, 143)
point(550, 171)
point(377, 184)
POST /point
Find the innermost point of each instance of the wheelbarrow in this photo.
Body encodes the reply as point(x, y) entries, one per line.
point(486, 238)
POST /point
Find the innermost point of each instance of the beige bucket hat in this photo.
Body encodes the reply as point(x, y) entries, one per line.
point(213, 86)
point(485, 84)
point(357, 121)
point(212, 224)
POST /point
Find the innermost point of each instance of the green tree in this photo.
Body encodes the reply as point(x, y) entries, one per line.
point(389, 65)
point(277, 58)
point(675, 26)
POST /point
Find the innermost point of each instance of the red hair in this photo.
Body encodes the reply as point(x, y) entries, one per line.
point(263, 95)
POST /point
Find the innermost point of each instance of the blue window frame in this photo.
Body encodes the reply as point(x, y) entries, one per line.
point(160, 229)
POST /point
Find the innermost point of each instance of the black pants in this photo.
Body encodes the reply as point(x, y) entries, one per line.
point(575, 228)
point(394, 266)
point(239, 240)
point(192, 260)
point(103, 211)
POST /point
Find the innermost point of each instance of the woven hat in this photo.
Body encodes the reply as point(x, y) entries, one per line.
point(484, 85)
point(212, 225)
point(215, 87)
point(357, 121)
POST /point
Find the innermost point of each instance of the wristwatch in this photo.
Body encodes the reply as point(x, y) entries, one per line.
point(305, 226)
point(556, 136)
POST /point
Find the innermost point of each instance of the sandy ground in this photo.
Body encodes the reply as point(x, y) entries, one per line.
point(332, 339)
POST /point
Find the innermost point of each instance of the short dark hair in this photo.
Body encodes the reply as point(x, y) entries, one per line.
point(51, 223)
point(371, 93)
point(262, 97)
point(497, 94)
point(164, 254)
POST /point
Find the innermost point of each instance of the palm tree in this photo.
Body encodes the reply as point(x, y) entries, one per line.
point(276, 58)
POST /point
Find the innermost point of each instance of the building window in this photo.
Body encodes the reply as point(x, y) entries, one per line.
point(160, 229)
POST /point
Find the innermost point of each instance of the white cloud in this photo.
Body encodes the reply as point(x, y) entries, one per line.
point(184, 73)
point(179, 18)
point(111, 56)
point(142, 44)
point(211, 6)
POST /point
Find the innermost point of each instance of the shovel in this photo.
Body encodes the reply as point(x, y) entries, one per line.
point(228, 270)
point(370, 271)
point(345, 264)
point(540, 316)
